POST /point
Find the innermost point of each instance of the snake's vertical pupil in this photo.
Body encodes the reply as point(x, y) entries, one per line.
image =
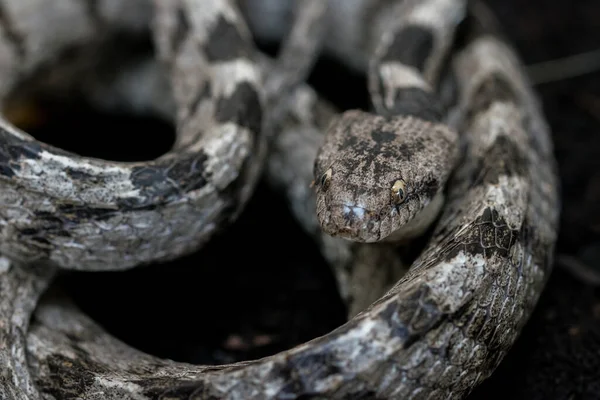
point(398, 191)
point(325, 179)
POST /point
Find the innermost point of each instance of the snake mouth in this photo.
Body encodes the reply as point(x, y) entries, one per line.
point(351, 222)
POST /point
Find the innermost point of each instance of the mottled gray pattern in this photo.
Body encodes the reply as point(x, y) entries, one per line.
point(435, 333)
point(366, 160)
point(380, 177)
point(83, 213)
point(20, 288)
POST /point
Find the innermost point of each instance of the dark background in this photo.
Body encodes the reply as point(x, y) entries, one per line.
point(238, 299)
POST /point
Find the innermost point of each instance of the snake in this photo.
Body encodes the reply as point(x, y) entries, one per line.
point(486, 181)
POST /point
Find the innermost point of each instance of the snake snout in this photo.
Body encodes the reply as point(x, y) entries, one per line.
point(351, 222)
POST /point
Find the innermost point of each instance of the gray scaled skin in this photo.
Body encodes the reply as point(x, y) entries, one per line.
point(381, 176)
point(89, 214)
point(437, 333)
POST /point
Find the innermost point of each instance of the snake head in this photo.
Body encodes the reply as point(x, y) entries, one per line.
point(380, 177)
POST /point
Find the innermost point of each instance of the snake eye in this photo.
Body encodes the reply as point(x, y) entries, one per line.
point(325, 179)
point(399, 192)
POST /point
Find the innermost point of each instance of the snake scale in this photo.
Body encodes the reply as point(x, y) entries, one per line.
point(478, 155)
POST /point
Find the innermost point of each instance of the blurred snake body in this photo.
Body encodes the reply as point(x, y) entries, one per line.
point(478, 163)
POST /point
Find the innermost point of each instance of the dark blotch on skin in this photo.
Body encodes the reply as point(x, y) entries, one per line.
point(79, 175)
point(146, 176)
point(407, 150)
point(411, 46)
point(66, 217)
point(489, 235)
point(13, 150)
point(160, 182)
point(153, 184)
point(416, 307)
point(493, 89)
point(69, 377)
point(134, 203)
point(7, 171)
point(302, 370)
point(48, 222)
point(369, 152)
point(243, 107)
point(41, 243)
point(399, 328)
point(350, 140)
point(503, 158)
point(225, 43)
point(78, 213)
point(416, 102)
point(189, 172)
point(383, 136)
point(25, 150)
point(47, 225)
point(431, 187)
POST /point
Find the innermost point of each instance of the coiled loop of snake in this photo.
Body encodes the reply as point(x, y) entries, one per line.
point(441, 330)
point(83, 213)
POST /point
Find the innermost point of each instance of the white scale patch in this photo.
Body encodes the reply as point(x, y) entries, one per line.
point(382, 344)
point(509, 198)
point(501, 119)
point(304, 101)
point(48, 175)
point(205, 13)
point(461, 276)
point(133, 390)
point(435, 14)
point(228, 75)
point(189, 134)
point(4, 265)
point(492, 55)
point(358, 211)
point(226, 155)
point(398, 75)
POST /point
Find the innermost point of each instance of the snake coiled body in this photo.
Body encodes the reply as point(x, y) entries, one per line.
point(437, 332)
point(88, 214)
